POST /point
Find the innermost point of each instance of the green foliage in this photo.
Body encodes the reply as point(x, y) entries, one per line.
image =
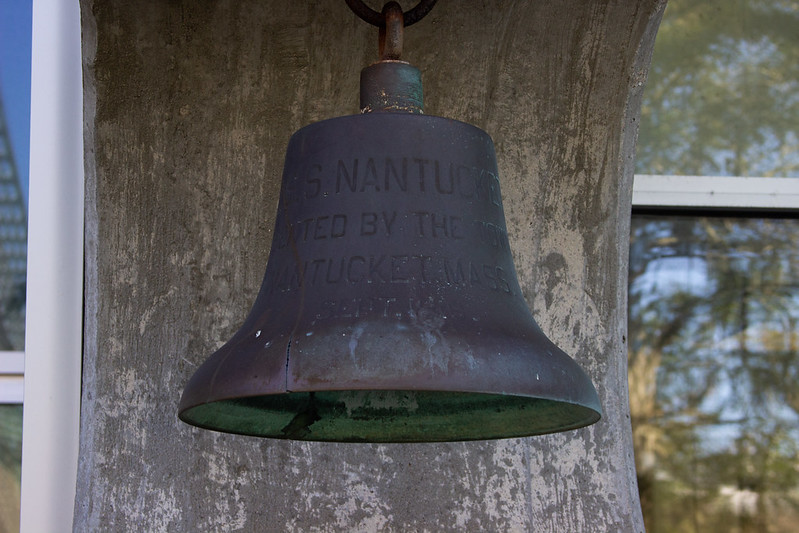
point(722, 96)
point(715, 303)
point(11, 438)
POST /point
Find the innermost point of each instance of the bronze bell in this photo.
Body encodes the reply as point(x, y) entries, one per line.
point(390, 309)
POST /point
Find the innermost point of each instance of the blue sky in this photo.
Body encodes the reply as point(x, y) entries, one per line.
point(15, 75)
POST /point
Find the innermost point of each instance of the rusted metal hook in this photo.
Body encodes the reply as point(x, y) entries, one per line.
point(391, 33)
point(375, 18)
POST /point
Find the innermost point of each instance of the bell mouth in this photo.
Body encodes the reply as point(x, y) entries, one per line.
point(390, 416)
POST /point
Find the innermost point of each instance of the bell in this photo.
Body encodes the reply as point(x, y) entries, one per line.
point(390, 310)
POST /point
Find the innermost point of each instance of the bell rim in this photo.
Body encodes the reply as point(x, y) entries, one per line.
point(587, 413)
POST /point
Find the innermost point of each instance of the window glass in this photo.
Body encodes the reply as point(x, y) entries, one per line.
point(714, 301)
point(722, 97)
point(15, 54)
point(10, 453)
point(15, 70)
point(713, 368)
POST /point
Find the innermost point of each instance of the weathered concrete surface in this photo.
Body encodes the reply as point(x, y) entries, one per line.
point(188, 109)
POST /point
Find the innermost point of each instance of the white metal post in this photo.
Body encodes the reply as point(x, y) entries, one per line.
point(55, 271)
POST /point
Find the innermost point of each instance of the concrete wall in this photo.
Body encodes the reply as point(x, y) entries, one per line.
point(188, 108)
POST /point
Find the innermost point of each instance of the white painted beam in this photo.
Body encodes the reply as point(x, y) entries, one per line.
point(53, 336)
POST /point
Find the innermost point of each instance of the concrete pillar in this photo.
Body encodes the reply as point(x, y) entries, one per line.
point(188, 108)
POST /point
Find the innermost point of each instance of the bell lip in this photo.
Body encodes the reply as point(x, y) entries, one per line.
point(580, 395)
point(201, 388)
point(591, 415)
point(590, 402)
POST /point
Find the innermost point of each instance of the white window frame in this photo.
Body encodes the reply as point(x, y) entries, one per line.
point(55, 261)
point(712, 192)
point(12, 368)
point(54, 305)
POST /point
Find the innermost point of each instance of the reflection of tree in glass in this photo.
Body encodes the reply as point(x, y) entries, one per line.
point(10, 455)
point(722, 96)
point(713, 369)
point(10, 437)
point(13, 247)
